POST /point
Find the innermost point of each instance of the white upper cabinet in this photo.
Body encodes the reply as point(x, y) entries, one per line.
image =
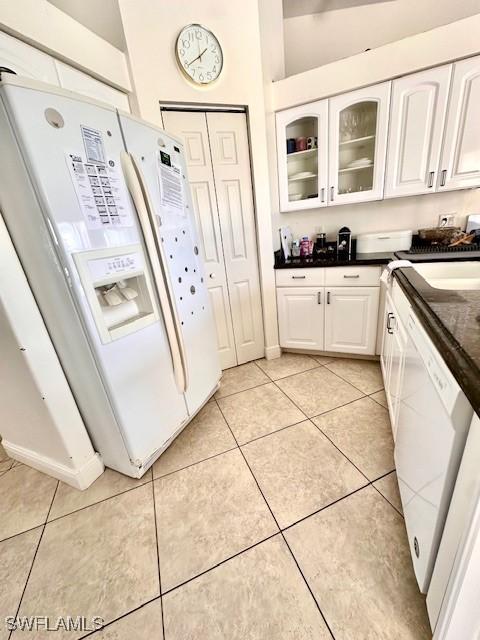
point(302, 147)
point(460, 167)
point(358, 123)
point(417, 120)
point(27, 61)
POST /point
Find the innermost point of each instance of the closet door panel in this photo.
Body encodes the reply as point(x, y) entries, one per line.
point(231, 168)
point(191, 127)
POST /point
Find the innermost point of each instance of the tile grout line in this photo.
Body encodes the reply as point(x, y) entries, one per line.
point(87, 506)
point(348, 381)
point(340, 451)
point(280, 530)
point(158, 555)
point(388, 501)
point(234, 393)
point(35, 555)
point(124, 615)
point(219, 564)
point(311, 421)
point(192, 464)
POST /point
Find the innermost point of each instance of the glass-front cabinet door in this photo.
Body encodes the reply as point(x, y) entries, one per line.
point(358, 142)
point(302, 148)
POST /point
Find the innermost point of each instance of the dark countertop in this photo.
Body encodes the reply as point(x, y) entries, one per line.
point(452, 321)
point(357, 259)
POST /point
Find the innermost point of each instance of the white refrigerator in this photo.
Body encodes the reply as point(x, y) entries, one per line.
point(98, 207)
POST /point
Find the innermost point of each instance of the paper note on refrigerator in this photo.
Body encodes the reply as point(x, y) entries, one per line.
point(101, 192)
point(171, 187)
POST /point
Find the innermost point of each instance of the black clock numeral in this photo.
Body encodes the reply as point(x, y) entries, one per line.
point(209, 76)
point(214, 70)
point(201, 77)
point(190, 35)
point(193, 71)
point(185, 43)
point(213, 48)
point(217, 59)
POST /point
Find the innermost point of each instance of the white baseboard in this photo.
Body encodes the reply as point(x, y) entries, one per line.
point(273, 352)
point(77, 478)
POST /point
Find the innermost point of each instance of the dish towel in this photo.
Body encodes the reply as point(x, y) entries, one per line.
point(387, 273)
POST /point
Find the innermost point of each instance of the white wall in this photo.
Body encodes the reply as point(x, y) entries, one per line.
point(39, 23)
point(459, 39)
point(317, 39)
point(414, 213)
point(151, 29)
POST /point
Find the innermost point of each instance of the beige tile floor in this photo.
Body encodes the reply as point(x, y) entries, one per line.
point(274, 515)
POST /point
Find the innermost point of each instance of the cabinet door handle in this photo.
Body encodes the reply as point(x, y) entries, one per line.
point(443, 178)
point(332, 193)
point(355, 276)
point(431, 176)
point(328, 297)
point(322, 194)
point(298, 277)
point(319, 297)
point(390, 316)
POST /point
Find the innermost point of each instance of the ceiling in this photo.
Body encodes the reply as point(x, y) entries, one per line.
point(294, 8)
point(100, 16)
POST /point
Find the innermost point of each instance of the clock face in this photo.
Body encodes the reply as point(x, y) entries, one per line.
point(199, 54)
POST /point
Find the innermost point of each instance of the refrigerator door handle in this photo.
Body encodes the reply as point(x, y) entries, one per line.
point(146, 217)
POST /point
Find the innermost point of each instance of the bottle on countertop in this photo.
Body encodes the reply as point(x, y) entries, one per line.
point(306, 246)
point(344, 243)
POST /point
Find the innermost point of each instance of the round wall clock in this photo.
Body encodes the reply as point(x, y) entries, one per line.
point(199, 54)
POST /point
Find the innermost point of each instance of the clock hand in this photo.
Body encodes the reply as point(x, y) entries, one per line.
point(199, 56)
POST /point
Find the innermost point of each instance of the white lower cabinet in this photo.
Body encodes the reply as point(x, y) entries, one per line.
point(340, 319)
point(300, 314)
point(351, 319)
point(392, 359)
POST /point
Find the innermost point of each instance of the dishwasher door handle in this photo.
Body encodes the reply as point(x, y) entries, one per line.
point(390, 316)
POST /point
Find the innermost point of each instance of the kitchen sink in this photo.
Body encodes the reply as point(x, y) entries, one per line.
point(450, 275)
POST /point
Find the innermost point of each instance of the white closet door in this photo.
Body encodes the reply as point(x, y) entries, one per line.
point(191, 127)
point(460, 166)
point(417, 119)
point(231, 168)
point(75, 80)
point(26, 60)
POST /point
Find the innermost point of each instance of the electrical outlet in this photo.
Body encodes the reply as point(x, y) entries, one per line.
point(446, 220)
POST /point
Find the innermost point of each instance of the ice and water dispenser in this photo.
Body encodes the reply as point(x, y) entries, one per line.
point(117, 285)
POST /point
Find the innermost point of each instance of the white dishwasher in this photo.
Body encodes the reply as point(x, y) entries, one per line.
point(433, 421)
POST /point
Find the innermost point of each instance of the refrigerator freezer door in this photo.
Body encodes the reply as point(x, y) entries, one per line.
point(72, 149)
point(162, 169)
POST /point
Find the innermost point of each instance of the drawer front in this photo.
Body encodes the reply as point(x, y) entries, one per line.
point(352, 276)
point(314, 277)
